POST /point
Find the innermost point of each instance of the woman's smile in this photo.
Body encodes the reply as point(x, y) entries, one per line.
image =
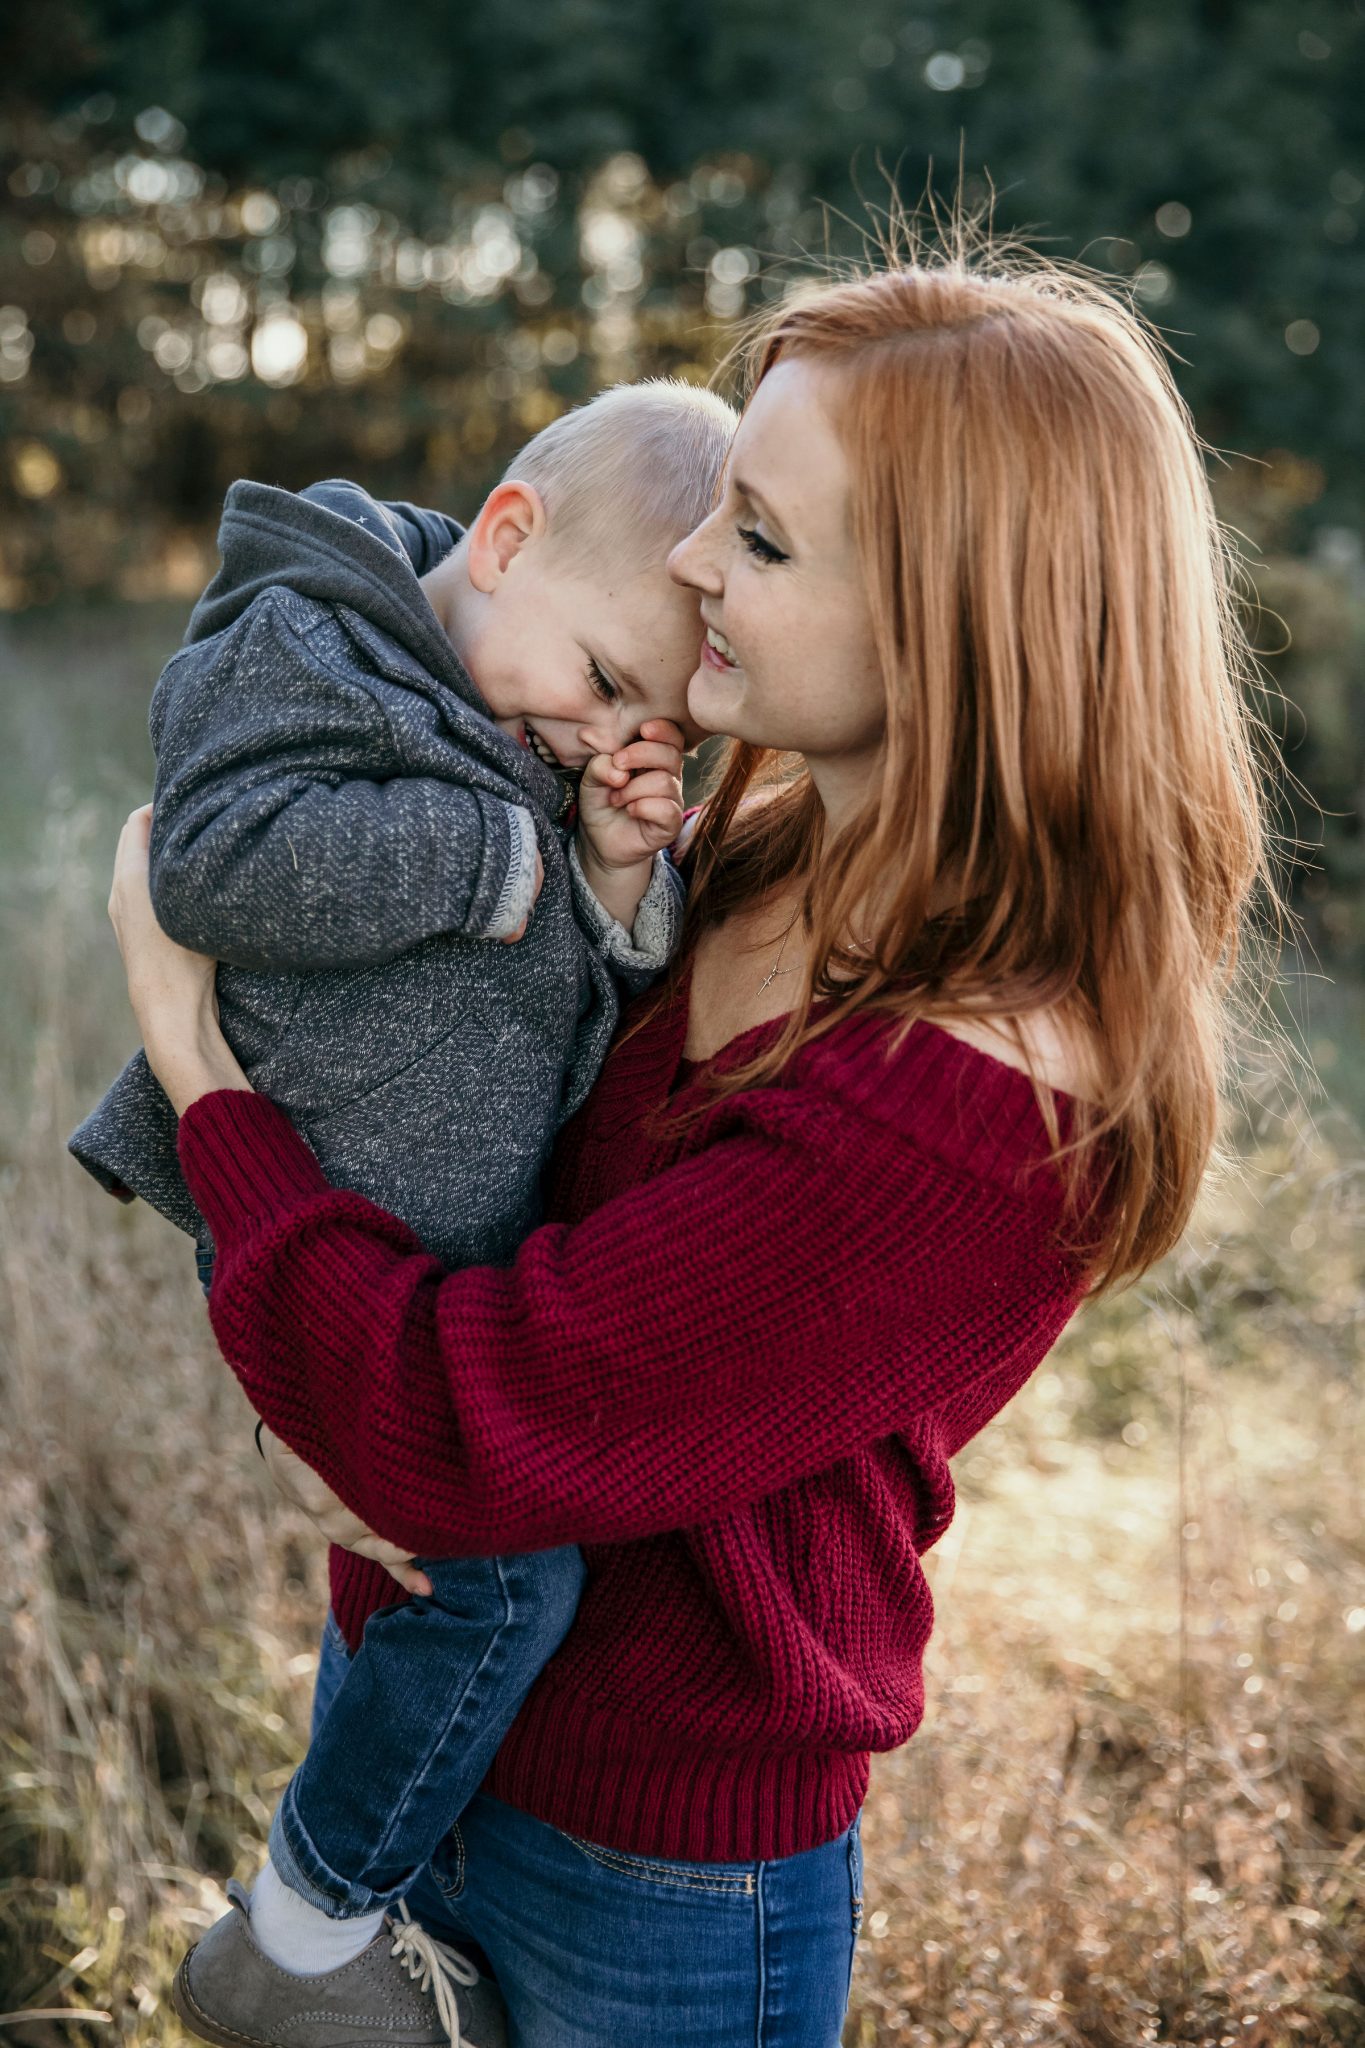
point(717, 652)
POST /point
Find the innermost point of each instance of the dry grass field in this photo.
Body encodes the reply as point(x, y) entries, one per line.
point(1136, 1810)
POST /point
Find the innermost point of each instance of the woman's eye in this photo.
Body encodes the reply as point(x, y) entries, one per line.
point(601, 684)
point(755, 543)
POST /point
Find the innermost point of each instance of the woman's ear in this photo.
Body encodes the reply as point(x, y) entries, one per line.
point(511, 515)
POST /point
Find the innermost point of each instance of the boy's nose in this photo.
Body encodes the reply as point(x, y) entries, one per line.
point(606, 735)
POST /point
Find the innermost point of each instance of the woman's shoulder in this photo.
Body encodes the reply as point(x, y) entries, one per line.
point(961, 1097)
point(1060, 1054)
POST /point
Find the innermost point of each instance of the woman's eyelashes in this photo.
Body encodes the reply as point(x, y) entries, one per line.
point(600, 683)
point(758, 546)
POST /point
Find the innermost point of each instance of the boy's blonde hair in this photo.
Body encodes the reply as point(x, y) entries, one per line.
point(633, 470)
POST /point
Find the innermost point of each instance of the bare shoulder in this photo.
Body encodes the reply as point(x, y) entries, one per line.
point(1064, 1057)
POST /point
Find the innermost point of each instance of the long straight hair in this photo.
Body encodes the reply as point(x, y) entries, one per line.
point(1067, 730)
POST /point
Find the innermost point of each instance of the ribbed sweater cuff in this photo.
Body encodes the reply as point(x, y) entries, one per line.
point(243, 1161)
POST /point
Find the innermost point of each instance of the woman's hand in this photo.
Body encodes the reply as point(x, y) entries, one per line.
point(300, 1484)
point(170, 988)
point(172, 994)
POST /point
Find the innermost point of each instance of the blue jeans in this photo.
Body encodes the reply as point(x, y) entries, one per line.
point(414, 1721)
point(593, 1948)
point(411, 1731)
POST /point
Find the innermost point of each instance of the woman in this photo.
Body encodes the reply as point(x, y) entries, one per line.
point(942, 1057)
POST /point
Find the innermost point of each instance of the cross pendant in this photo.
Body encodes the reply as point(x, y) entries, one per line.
point(774, 974)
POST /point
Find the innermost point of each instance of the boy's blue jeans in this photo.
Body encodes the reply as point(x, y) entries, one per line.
point(414, 1724)
point(416, 1718)
point(591, 1946)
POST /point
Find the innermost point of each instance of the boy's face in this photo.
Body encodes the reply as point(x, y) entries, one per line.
point(570, 660)
point(572, 664)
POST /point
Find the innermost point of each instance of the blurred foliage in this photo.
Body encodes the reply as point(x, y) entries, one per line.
point(247, 239)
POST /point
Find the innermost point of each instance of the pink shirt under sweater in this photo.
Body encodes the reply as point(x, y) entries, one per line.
point(733, 1366)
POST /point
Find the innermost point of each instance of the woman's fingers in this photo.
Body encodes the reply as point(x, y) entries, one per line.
point(352, 1534)
point(410, 1578)
point(300, 1484)
point(130, 862)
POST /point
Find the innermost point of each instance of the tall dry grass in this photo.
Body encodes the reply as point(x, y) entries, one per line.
point(1135, 1813)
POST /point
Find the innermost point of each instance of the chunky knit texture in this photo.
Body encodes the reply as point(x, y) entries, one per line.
point(733, 1367)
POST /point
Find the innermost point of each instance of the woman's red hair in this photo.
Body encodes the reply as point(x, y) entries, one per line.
point(1066, 729)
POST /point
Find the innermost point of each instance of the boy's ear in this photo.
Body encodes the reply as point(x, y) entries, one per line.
point(511, 515)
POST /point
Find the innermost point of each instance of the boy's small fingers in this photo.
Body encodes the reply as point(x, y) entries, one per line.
point(656, 810)
point(663, 729)
point(648, 754)
point(656, 782)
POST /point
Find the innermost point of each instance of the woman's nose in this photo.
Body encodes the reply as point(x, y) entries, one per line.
point(692, 563)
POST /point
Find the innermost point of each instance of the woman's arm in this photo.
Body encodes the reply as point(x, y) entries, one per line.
point(751, 1316)
point(172, 990)
point(805, 1284)
point(745, 1319)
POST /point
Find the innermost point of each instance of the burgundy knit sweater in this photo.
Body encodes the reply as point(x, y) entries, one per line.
point(733, 1367)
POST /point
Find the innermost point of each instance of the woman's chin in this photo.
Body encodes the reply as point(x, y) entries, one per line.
point(714, 699)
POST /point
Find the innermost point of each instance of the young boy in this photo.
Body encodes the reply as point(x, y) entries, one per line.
point(367, 756)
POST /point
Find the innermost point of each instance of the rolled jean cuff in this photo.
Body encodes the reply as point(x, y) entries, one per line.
point(298, 1864)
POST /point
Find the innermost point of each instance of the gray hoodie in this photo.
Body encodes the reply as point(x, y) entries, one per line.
point(338, 821)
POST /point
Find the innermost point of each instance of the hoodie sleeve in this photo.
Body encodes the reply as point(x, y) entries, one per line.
point(638, 956)
point(287, 836)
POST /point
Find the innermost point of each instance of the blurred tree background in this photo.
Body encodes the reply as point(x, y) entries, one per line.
point(247, 239)
point(285, 239)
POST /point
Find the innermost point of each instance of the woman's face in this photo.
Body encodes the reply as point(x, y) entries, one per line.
point(782, 591)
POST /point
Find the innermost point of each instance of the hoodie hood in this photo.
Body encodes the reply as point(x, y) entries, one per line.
point(336, 545)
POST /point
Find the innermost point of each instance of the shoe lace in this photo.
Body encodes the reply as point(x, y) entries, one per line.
point(433, 1967)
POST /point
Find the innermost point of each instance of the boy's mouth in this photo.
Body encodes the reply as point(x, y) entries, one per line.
point(542, 749)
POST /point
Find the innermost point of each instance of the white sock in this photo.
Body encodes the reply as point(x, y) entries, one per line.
point(299, 1937)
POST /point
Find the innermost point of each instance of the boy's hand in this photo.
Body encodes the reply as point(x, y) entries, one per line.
point(630, 803)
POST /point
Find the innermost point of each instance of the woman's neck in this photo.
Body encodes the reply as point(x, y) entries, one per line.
point(843, 783)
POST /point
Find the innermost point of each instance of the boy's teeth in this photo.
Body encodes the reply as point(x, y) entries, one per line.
point(540, 750)
point(721, 644)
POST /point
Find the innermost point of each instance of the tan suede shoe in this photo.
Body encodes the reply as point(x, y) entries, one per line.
point(406, 1990)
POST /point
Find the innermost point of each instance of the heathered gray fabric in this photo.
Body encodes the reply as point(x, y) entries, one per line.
point(339, 822)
